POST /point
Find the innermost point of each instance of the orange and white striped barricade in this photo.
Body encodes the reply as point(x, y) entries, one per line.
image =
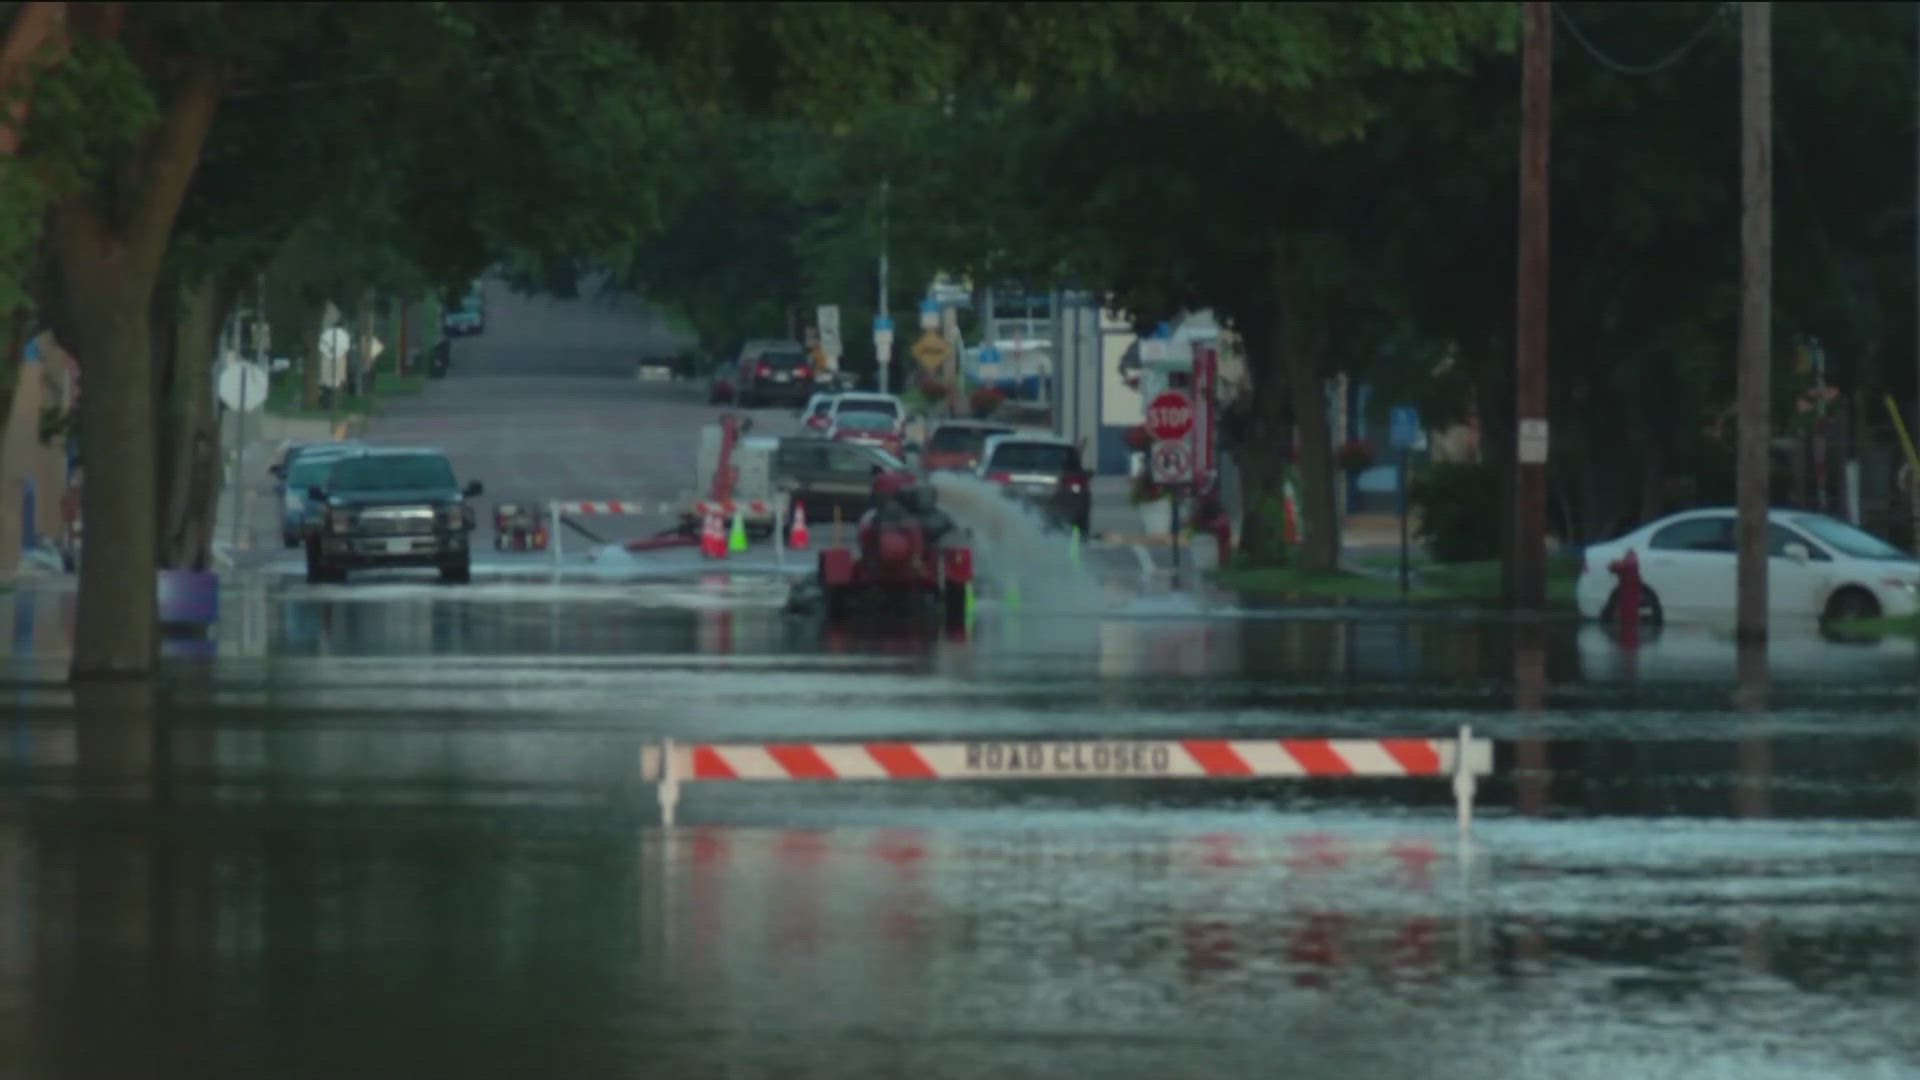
point(597, 508)
point(1462, 759)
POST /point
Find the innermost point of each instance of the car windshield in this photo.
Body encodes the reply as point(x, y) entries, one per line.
point(1032, 458)
point(1848, 540)
point(865, 421)
point(865, 405)
point(822, 408)
point(310, 469)
point(785, 359)
point(391, 472)
point(961, 440)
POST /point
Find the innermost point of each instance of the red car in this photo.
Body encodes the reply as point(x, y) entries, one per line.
point(868, 429)
point(956, 444)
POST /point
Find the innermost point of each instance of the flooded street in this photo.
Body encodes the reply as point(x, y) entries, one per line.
point(397, 829)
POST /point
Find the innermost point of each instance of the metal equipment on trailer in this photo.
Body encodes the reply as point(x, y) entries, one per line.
point(905, 551)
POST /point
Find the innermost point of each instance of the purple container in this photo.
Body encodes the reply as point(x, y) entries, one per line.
point(189, 598)
point(196, 647)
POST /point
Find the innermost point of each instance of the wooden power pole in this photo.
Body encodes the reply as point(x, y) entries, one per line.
point(1530, 375)
point(1756, 315)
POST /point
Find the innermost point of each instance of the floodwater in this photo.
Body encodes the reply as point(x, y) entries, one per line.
point(398, 829)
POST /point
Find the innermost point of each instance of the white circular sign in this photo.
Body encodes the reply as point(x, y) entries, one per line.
point(334, 343)
point(1172, 462)
point(243, 385)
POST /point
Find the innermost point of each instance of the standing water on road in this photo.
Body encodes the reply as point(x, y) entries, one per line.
point(1014, 548)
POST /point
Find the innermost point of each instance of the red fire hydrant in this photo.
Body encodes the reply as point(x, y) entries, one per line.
point(1626, 597)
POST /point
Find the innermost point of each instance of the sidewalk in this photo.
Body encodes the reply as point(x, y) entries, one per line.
point(246, 477)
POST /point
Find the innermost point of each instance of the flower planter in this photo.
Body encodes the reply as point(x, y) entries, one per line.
point(1156, 517)
point(189, 601)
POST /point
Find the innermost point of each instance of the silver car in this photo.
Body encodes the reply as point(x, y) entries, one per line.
point(305, 466)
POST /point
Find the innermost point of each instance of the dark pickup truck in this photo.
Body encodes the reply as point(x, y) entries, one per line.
point(390, 507)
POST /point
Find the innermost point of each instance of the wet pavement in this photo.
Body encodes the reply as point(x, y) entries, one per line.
point(402, 829)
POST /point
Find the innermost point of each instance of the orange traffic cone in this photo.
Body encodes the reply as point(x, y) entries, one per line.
point(713, 537)
point(797, 539)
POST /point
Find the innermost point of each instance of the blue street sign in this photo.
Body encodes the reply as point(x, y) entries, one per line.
point(1404, 424)
point(929, 307)
point(882, 322)
point(989, 354)
point(1163, 331)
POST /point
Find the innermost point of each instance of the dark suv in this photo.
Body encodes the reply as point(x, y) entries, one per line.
point(773, 372)
point(1044, 471)
point(392, 508)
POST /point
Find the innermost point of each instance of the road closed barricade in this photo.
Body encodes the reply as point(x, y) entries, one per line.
point(562, 511)
point(1461, 759)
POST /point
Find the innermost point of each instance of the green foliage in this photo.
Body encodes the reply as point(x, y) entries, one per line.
point(1460, 510)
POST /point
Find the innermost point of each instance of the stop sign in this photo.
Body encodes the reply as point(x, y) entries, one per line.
point(1169, 415)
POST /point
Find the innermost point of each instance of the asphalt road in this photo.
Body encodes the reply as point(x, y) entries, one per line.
point(545, 405)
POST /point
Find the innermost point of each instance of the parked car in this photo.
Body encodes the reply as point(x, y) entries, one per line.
point(957, 444)
point(770, 372)
point(720, 385)
point(302, 466)
point(868, 402)
point(829, 475)
point(817, 413)
point(1043, 470)
point(864, 428)
point(1818, 567)
point(392, 507)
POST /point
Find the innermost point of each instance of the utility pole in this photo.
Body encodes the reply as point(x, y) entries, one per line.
point(1530, 376)
point(883, 354)
point(1913, 481)
point(1756, 315)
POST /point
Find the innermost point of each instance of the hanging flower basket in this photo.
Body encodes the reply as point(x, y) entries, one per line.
point(1144, 490)
point(986, 401)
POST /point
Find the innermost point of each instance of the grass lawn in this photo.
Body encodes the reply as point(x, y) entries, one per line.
point(283, 395)
point(1430, 581)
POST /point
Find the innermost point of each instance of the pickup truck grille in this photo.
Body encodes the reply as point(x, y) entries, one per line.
point(396, 521)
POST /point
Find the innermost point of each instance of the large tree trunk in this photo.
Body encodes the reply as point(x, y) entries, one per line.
point(193, 430)
point(1319, 523)
point(1258, 433)
point(108, 246)
point(114, 632)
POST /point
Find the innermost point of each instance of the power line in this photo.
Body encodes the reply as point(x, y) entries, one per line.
point(1672, 58)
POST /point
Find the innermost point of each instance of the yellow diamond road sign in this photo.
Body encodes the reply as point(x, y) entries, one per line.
point(931, 350)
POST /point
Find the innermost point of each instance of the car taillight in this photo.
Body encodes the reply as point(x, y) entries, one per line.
point(1000, 477)
point(1075, 484)
point(766, 369)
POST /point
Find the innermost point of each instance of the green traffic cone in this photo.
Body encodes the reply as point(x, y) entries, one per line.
point(1013, 593)
point(737, 538)
point(1073, 548)
point(969, 604)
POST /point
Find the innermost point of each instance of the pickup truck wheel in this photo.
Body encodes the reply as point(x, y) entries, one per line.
point(457, 571)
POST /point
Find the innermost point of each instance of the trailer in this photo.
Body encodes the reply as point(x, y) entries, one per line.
point(735, 470)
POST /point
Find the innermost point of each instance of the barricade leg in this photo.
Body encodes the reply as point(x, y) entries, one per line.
point(669, 784)
point(1463, 780)
point(553, 534)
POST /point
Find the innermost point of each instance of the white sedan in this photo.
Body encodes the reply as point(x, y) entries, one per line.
point(1818, 567)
